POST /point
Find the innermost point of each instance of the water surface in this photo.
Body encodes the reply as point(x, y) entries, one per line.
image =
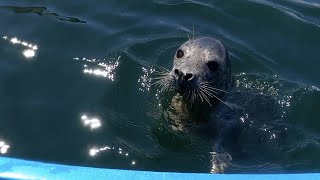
point(75, 82)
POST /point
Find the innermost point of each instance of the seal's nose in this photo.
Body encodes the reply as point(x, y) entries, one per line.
point(183, 80)
point(177, 73)
point(183, 76)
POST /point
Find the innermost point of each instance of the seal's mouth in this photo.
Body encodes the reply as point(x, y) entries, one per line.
point(181, 87)
point(180, 91)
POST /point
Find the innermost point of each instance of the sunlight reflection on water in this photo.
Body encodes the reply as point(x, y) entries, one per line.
point(92, 122)
point(145, 79)
point(95, 151)
point(4, 147)
point(30, 49)
point(100, 67)
point(271, 86)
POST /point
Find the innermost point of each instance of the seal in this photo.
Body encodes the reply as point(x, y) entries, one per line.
point(201, 76)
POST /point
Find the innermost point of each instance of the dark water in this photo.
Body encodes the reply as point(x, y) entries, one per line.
point(75, 82)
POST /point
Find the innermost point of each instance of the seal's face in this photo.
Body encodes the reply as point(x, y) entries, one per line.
point(201, 69)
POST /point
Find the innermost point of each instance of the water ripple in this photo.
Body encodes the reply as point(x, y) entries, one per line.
point(42, 11)
point(289, 12)
point(307, 3)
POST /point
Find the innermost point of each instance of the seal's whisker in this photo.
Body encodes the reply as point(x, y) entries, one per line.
point(161, 86)
point(170, 85)
point(205, 97)
point(160, 77)
point(162, 74)
point(161, 81)
point(196, 95)
point(210, 90)
point(164, 84)
point(192, 34)
point(162, 71)
point(216, 89)
point(163, 68)
point(207, 92)
point(184, 94)
point(193, 96)
point(166, 87)
point(157, 54)
point(188, 94)
point(223, 102)
point(201, 98)
point(214, 96)
point(214, 50)
point(188, 36)
point(209, 85)
point(156, 83)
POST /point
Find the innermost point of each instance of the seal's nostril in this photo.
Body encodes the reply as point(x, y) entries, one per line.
point(176, 72)
point(188, 77)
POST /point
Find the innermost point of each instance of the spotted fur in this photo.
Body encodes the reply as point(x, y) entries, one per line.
point(197, 54)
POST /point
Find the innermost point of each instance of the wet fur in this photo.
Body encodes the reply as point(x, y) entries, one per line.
point(196, 105)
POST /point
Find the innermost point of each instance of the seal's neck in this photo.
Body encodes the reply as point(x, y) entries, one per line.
point(196, 112)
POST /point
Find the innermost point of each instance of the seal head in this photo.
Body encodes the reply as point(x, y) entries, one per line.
point(201, 70)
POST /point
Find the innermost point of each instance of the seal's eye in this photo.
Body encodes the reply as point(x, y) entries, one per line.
point(213, 65)
point(180, 53)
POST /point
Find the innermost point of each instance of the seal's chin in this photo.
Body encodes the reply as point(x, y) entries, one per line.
point(180, 91)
